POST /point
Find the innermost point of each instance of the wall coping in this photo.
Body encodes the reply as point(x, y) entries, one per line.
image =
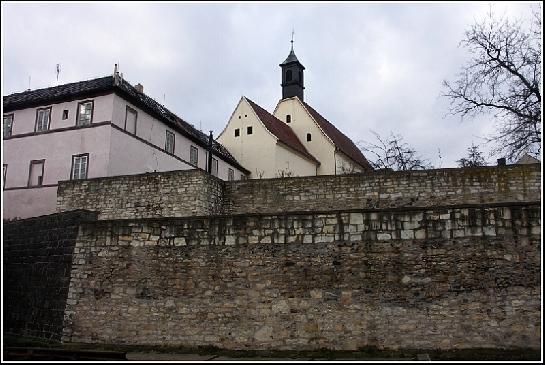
point(328, 212)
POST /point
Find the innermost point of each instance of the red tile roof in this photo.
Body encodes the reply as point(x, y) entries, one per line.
point(283, 132)
point(341, 141)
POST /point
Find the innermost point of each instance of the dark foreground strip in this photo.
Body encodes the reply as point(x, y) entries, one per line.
point(45, 354)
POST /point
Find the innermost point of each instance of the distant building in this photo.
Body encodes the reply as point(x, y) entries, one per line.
point(527, 159)
point(96, 128)
point(295, 140)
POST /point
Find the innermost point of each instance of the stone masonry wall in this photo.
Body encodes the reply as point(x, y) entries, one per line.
point(194, 193)
point(167, 194)
point(426, 188)
point(437, 278)
point(37, 259)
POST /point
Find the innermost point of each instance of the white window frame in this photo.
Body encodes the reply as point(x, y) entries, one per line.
point(79, 115)
point(7, 132)
point(78, 175)
point(167, 144)
point(40, 173)
point(215, 167)
point(42, 124)
point(193, 155)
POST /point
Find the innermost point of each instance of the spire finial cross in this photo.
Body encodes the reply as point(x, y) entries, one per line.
point(292, 33)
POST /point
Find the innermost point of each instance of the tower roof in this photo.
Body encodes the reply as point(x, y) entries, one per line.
point(291, 58)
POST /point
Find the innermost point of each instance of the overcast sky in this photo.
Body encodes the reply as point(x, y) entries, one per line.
point(368, 66)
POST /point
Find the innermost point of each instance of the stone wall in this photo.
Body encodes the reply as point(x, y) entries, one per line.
point(425, 188)
point(181, 193)
point(37, 259)
point(194, 193)
point(420, 278)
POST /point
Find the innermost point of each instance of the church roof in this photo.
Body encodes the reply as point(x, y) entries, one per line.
point(342, 142)
point(283, 132)
point(108, 84)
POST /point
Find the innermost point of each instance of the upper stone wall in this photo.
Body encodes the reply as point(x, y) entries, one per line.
point(427, 188)
point(195, 193)
point(181, 193)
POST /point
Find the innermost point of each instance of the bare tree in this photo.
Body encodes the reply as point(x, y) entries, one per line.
point(503, 78)
point(474, 158)
point(393, 153)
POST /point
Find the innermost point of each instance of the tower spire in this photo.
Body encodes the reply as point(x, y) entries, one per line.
point(292, 33)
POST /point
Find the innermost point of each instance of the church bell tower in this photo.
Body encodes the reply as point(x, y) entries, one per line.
point(292, 76)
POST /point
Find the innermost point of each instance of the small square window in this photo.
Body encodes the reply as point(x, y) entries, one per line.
point(237, 132)
point(64, 114)
point(288, 118)
point(249, 130)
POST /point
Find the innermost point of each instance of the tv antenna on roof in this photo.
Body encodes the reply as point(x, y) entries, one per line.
point(58, 71)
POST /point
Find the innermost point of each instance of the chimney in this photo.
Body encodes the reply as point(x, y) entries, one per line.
point(116, 75)
point(140, 88)
point(501, 161)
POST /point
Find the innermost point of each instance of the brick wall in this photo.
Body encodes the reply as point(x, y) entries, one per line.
point(37, 261)
point(420, 278)
point(180, 193)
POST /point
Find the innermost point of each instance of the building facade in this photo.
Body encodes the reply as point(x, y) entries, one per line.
point(317, 146)
point(96, 128)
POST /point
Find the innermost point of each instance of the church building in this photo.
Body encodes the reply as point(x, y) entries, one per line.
point(295, 140)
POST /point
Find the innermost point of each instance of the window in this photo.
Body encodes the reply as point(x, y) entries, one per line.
point(309, 137)
point(237, 132)
point(288, 118)
point(43, 116)
point(249, 130)
point(8, 125)
point(80, 165)
point(85, 113)
point(130, 120)
point(64, 114)
point(169, 142)
point(4, 171)
point(214, 167)
point(288, 75)
point(36, 173)
point(231, 175)
point(193, 155)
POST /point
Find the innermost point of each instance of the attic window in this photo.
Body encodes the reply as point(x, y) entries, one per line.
point(309, 137)
point(249, 130)
point(237, 132)
point(288, 118)
point(65, 114)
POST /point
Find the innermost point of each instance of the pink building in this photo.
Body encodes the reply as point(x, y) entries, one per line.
point(96, 128)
